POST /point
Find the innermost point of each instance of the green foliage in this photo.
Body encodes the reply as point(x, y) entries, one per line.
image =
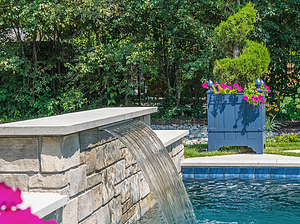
point(277, 27)
point(251, 64)
point(252, 59)
point(63, 56)
point(287, 138)
point(277, 148)
point(272, 124)
point(232, 32)
point(290, 106)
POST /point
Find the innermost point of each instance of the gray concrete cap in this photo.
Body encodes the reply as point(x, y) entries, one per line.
point(42, 204)
point(66, 124)
point(168, 137)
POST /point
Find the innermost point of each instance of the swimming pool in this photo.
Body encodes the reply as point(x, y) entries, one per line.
point(241, 201)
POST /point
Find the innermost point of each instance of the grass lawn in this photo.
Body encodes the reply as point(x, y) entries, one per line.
point(278, 148)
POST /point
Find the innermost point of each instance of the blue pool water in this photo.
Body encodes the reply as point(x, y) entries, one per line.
point(241, 201)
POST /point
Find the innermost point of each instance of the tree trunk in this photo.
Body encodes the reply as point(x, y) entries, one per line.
point(34, 55)
point(236, 51)
point(97, 42)
point(178, 91)
point(127, 104)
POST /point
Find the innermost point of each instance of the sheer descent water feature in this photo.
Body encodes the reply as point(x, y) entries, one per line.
point(158, 170)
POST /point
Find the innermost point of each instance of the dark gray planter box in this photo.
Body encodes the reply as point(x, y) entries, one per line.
point(233, 122)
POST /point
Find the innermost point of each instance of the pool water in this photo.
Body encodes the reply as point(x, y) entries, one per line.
point(241, 201)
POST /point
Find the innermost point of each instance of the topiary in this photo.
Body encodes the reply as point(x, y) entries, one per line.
point(245, 60)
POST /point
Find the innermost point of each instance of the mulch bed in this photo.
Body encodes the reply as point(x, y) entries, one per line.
point(189, 121)
point(287, 126)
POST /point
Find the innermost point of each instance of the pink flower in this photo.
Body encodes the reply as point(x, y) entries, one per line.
point(246, 97)
point(255, 89)
point(265, 86)
point(22, 217)
point(223, 86)
point(262, 100)
point(256, 99)
point(229, 87)
point(204, 85)
point(8, 197)
point(216, 84)
point(253, 104)
point(240, 89)
point(252, 98)
point(260, 107)
point(260, 97)
point(267, 95)
point(235, 85)
point(269, 90)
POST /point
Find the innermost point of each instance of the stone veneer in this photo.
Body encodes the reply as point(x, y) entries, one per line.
point(101, 179)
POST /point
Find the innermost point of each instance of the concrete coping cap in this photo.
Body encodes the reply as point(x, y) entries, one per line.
point(66, 124)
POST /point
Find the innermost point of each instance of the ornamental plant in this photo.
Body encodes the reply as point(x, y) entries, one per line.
point(9, 211)
point(245, 60)
point(251, 94)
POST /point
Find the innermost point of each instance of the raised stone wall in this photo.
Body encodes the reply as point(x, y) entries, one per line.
point(95, 170)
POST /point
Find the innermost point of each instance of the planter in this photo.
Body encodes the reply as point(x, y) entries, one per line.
point(233, 122)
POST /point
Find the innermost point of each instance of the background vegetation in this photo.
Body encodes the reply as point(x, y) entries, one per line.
point(61, 56)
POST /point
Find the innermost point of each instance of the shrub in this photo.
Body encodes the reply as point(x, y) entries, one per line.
point(287, 138)
point(245, 60)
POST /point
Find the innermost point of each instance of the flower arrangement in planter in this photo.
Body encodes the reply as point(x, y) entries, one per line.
point(9, 211)
point(236, 106)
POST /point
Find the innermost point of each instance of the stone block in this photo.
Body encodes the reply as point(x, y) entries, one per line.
point(112, 152)
point(82, 157)
point(59, 180)
point(90, 220)
point(126, 190)
point(103, 215)
point(88, 138)
point(146, 119)
point(108, 190)
point(118, 189)
point(133, 220)
point(85, 205)
point(94, 179)
point(147, 203)
point(129, 159)
point(70, 212)
point(97, 197)
point(105, 137)
point(174, 148)
point(135, 188)
point(15, 181)
point(120, 171)
point(78, 180)
point(128, 171)
point(145, 190)
point(19, 155)
point(135, 168)
point(90, 156)
point(115, 209)
point(63, 191)
point(126, 206)
point(60, 153)
point(134, 211)
point(177, 161)
point(99, 157)
point(56, 215)
point(178, 147)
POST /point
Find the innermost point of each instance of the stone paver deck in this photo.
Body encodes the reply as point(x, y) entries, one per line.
point(243, 160)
